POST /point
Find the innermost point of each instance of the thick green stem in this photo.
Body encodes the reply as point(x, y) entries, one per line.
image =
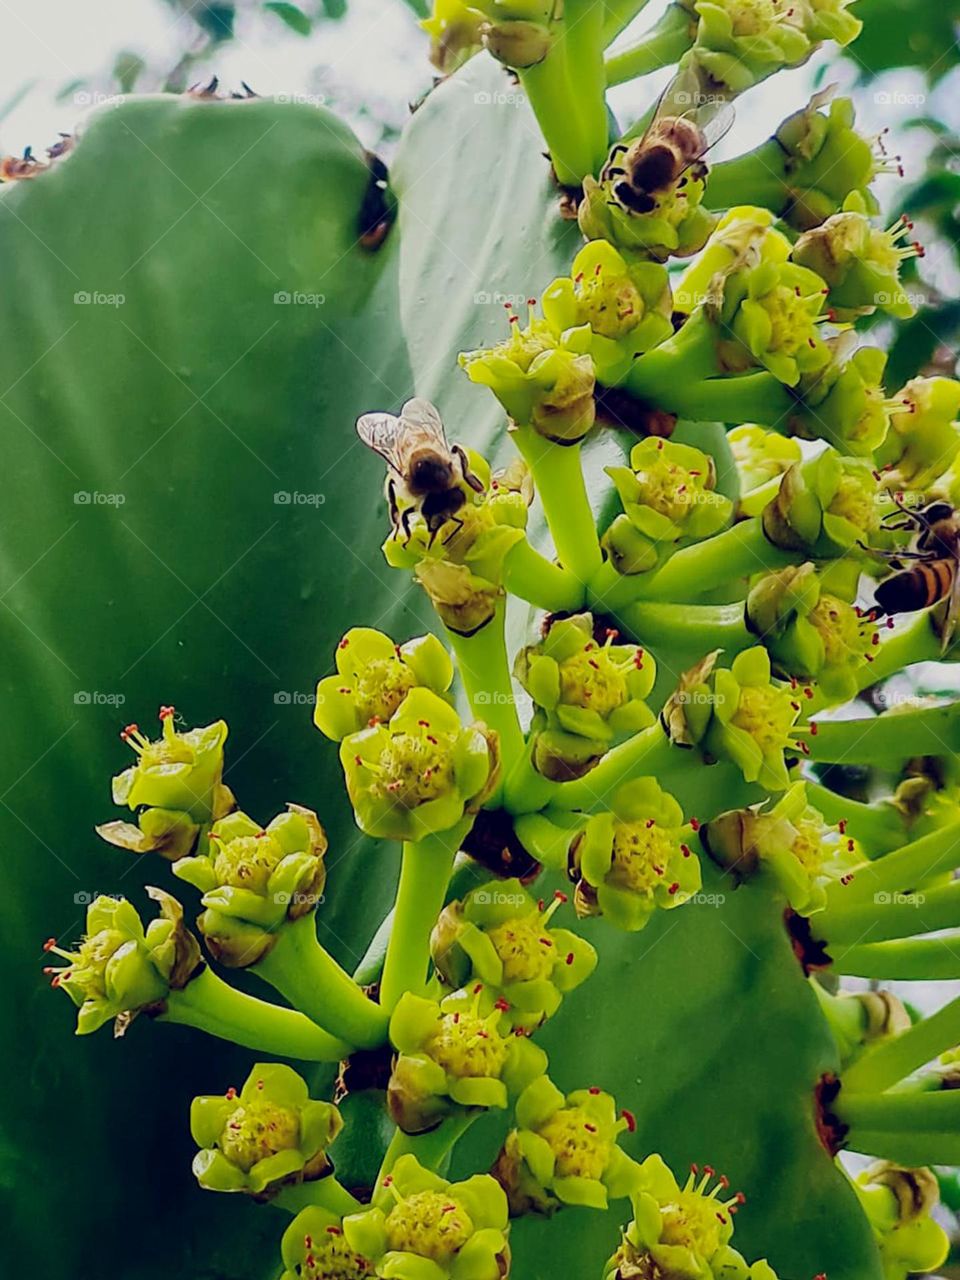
point(585, 45)
point(668, 628)
point(558, 479)
point(308, 976)
point(909, 867)
point(666, 42)
point(424, 876)
point(847, 1018)
point(934, 1113)
point(485, 672)
point(886, 1063)
point(909, 960)
point(617, 16)
point(649, 752)
point(907, 1149)
point(892, 916)
point(430, 1149)
point(532, 577)
point(757, 177)
point(886, 741)
point(916, 642)
point(212, 1005)
point(325, 1192)
point(879, 827)
point(547, 837)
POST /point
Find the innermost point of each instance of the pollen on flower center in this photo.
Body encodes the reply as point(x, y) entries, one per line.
point(856, 502)
point(415, 768)
point(807, 846)
point(89, 965)
point(381, 686)
point(331, 1258)
point(611, 306)
point(841, 629)
point(691, 1222)
point(579, 1149)
point(766, 714)
point(591, 679)
point(429, 1223)
point(467, 1045)
point(520, 944)
point(640, 855)
point(256, 1131)
point(791, 325)
point(751, 17)
point(669, 488)
point(247, 862)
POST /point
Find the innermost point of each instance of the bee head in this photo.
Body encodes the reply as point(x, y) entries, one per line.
point(430, 472)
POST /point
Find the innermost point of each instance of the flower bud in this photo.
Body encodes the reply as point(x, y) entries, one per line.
point(859, 263)
point(501, 936)
point(419, 772)
point(460, 1052)
point(314, 1247)
point(772, 311)
point(844, 402)
point(635, 858)
point(455, 31)
point(790, 840)
point(669, 494)
point(517, 44)
point(253, 879)
point(810, 632)
point(270, 1135)
point(120, 970)
point(829, 20)
point(625, 306)
point(741, 42)
point(682, 1230)
point(176, 784)
point(924, 438)
point(588, 695)
point(434, 1227)
point(744, 233)
point(542, 380)
point(564, 1151)
point(374, 676)
point(899, 1204)
point(761, 458)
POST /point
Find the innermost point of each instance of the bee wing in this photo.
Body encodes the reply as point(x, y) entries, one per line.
point(425, 417)
point(685, 98)
point(381, 432)
point(952, 615)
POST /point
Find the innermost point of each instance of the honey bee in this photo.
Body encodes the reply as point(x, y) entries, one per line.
point(933, 577)
point(14, 168)
point(430, 476)
point(683, 129)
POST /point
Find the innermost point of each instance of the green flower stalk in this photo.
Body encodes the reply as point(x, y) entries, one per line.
point(500, 935)
point(419, 772)
point(682, 1231)
point(859, 263)
point(564, 1151)
point(121, 969)
point(460, 1052)
point(542, 379)
point(635, 858)
point(669, 497)
point(790, 841)
point(625, 305)
point(807, 622)
point(269, 1136)
point(432, 1229)
point(677, 225)
point(899, 1204)
point(588, 695)
point(826, 506)
point(924, 438)
point(741, 42)
point(806, 171)
point(254, 879)
point(374, 675)
point(176, 784)
point(844, 402)
point(314, 1247)
point(761, 458)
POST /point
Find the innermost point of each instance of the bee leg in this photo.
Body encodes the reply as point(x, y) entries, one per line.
point(405, 523)
point(455, 520)
point(615, 170)
point(473, 481)
point(392, 501)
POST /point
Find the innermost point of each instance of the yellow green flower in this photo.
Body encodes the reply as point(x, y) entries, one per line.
point(434, 1229)
point(744, 232)
point(314, 1247)
point(269, 1135)
point(773, 309)
point(373, 677)
point(761, 458)
point(121, 969)
point(740, 42)
point(924, 438)
point(825, 506)
point(899, 1204)
point(677, 225)
point(830, 20)
point(588, 695)
point(626, 307)
point(564, 1151)
point(462, 1051)
point(753, 719)
point(790, 840)
point(844, 402)
point(500, 935)
point(455, 31)
point(634, 858)
point(417, 773)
